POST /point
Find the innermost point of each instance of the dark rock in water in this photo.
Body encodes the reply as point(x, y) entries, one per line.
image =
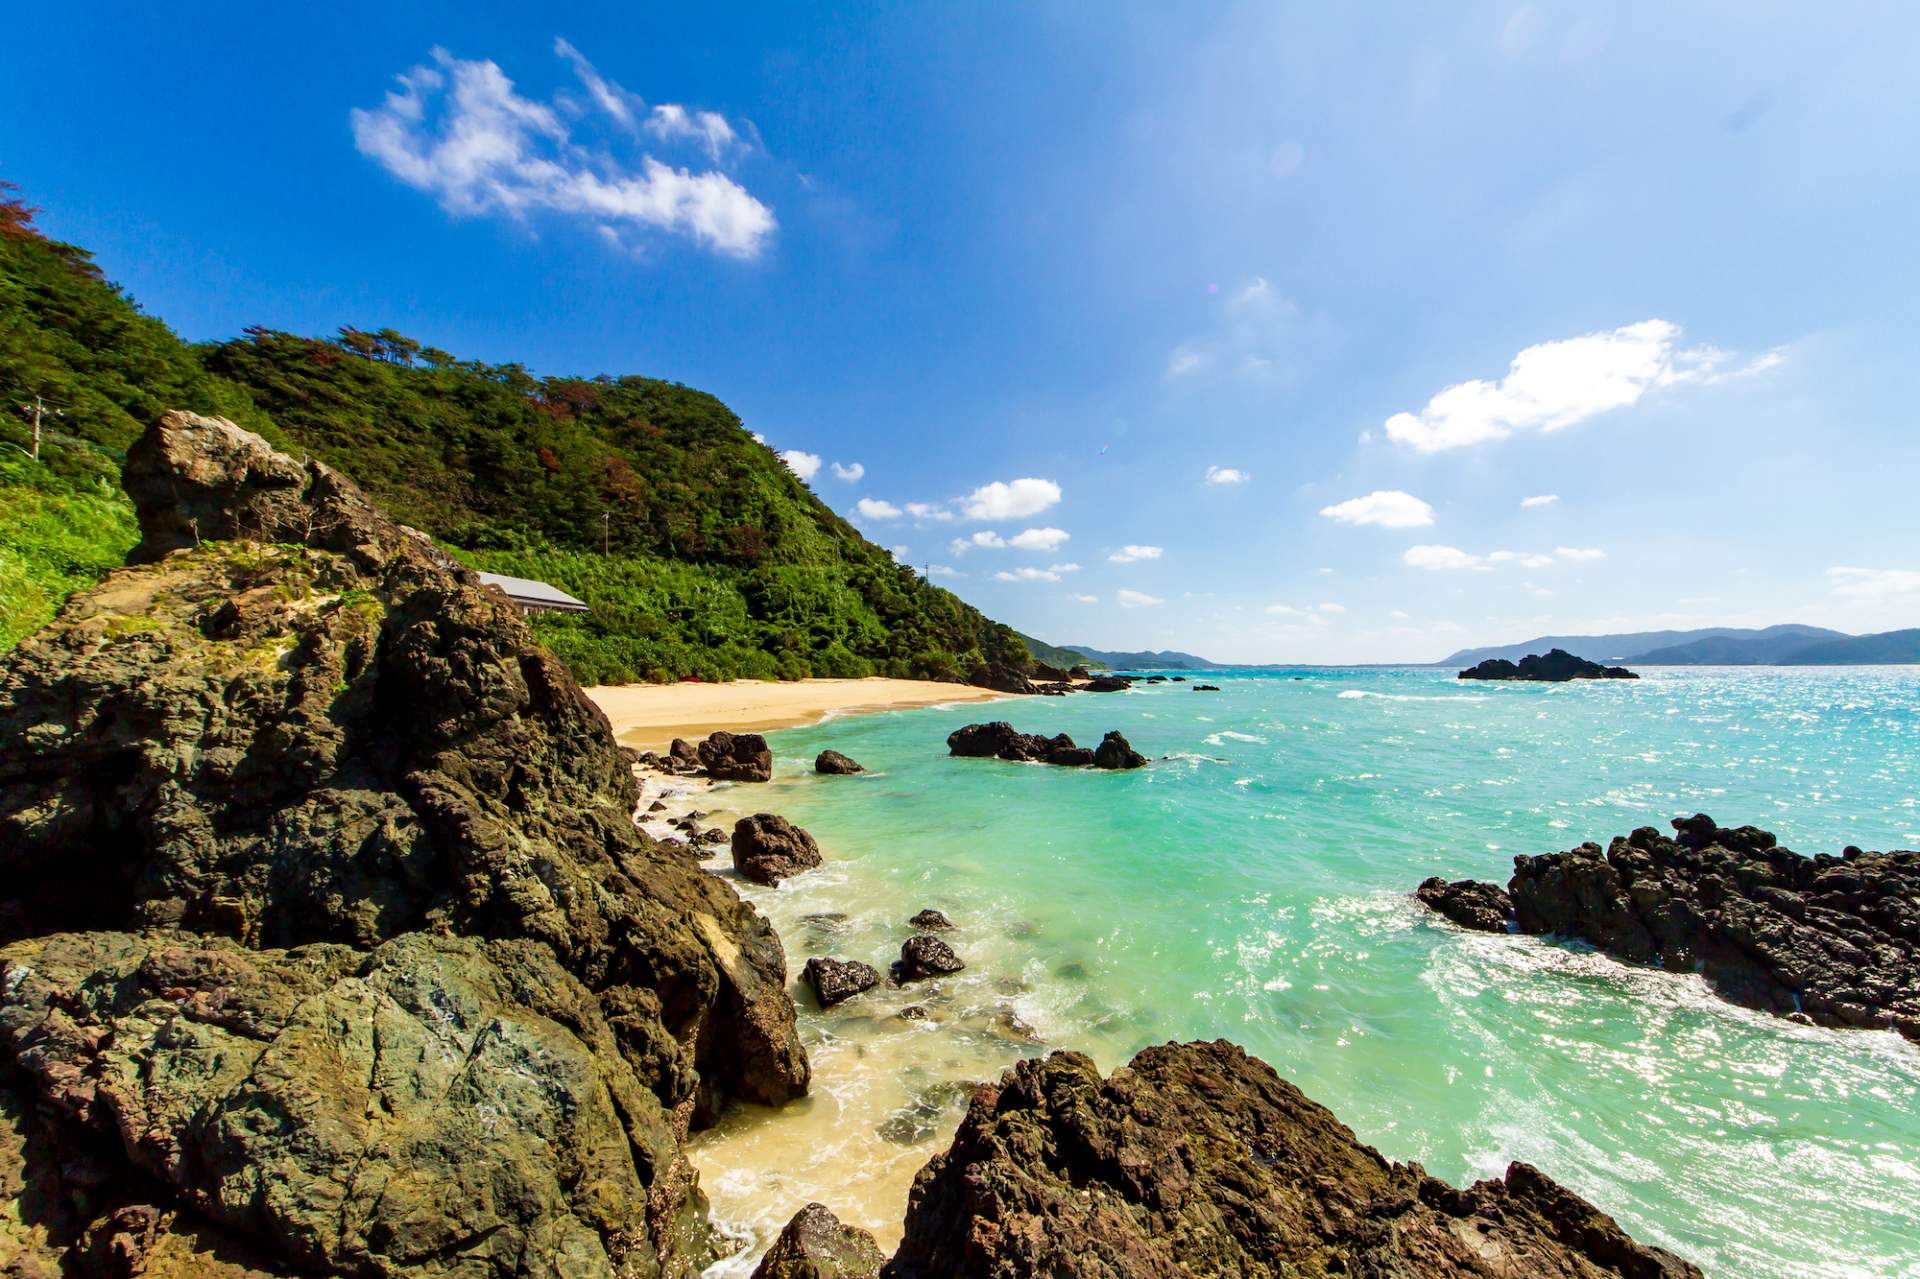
point(684, 751)
point(1115, 751)
point(711, 835)
point(833, 762)
point(923, 956)
point(1834, 938)
point(1108, 684)
point(768, 848)
point(1179, 679)
point(815, 1245)
point(1069, 755)
point(325, 738)
point(657, 806)
point(912, 1012)
point(1554, 666)
point(736, 757)
point(1468, 903)
point(931, 920)
point(1079, 672)
point(836, 979)
point(1156, 679)
point(999, 740)
point(1000, 679)
point(1197, 1160)
point(1206, 688)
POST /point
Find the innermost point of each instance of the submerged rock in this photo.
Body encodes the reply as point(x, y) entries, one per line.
point(736, 757)
point(1834, 939)
point(1198, 1160)
point(768, 848)
point(925, 956)
point(931, 920)
point(1115, 752)
point(835, 980)
point(815, 1245)
point(999, 740)
point(834, 763)
point(1468, 903)
point(1554, 666)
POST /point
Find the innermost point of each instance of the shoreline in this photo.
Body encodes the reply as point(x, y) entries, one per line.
point(650, 716)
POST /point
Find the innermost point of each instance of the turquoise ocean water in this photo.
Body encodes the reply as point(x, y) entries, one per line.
point(1253, 883)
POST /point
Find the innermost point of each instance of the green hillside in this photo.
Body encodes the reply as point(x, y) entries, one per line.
point(699, 552)
point(1054, 655)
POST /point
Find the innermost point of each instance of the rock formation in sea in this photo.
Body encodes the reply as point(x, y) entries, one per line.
point(999, 740)
point(1468, 903)
point(1555, 666)
point(815, 1245)
point(333, 943)
point(836, 764)
point(931, 920)
point(1198, 1160)
point(835, 980)
point(925, 956)
point(768, 848)
point(736, 757)
point(1116, 752)
point(1833, 940)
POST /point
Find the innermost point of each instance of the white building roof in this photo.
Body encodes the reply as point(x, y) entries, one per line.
point(524, 590)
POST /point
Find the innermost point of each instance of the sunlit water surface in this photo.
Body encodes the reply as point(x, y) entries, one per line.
point(1253, 883)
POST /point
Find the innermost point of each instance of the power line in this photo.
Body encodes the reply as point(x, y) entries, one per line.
point(37, 408)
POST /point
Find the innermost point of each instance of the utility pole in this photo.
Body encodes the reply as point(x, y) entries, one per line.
point(38, 407)
point(606, 531)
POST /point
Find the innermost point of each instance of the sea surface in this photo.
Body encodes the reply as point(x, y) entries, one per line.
point(1253, 883)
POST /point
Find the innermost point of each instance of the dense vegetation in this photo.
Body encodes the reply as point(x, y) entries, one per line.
point(700, 553)
point(1054, 655)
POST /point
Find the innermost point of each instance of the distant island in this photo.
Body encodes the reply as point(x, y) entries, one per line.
point(1556, 666)
point(1789, 645)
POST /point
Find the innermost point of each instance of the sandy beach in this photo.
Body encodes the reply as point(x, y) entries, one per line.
point(649, 716)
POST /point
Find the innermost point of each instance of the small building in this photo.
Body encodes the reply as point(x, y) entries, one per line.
point(534, 597)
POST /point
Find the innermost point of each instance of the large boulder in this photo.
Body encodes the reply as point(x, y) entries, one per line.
point(996, 740)
point(925, 956)
point(1198, 1160)
point(325, 734)
point(768, 848)
point(1001, 679)
point(1467, 902)
point(837, 980)
point(1116, 752)
point(736, 757)
point(1835, 940)
point(815, 1245)
point(835, 764)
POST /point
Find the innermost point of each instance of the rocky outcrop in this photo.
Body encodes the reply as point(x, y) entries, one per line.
point(999, 740)
point(1108, 684)
point(1206, 688)
point(835, 764)
point(835, 980)
point(1198, 1160)
point(925, 956)
point(1468, 903)
point(1116, 752)
point(1552, 667)
point(736, 757)
point(1001, 679)
point(1830, 940)
point(768, 848)
point(323, 734)
point(815, 1245)
point(931, 920)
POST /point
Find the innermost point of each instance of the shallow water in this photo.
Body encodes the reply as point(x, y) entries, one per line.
point(1253, 884)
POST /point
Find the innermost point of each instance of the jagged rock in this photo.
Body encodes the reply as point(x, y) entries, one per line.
point(815, 1245)
point(924, 956)
point(835, 763)
point(736, 757)
point(1063, 752)
point(834, 980)
point(1206, 688)
point(931, 920)
point(1554, 666)
point(768, 848)
point(432, 1107)
point(1001, 679)
point(999, 740)
point(1108, 684)
point(1198, 1160)
point(1051, 674)
point(1179, 679)
point(1468, 903)
point(1115, 751)
point(325, 735)
point(1079, 672)
point(1833, 939)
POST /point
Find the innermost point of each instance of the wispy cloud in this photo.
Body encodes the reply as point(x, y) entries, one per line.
point(1226, 475)
point(1873, 583)
point(1084, 599)
point(1555, 385)
point(1051, 573)
point(1136, 599)
point(873, 508)
point(1256, 333)
point(1387, 508)
point(1451, 558)
point(458, 130)
point(851, 472)
point(1543, 499)
point(929, 511)
point(1579, 554)
point(1134, 554)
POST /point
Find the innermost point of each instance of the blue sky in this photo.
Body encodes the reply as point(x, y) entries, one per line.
point(1267, 319)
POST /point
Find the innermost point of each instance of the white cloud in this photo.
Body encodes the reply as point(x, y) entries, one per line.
point(1555, 385)
point(1388, 508)
point(872, 508)
point(929, 511)
point(1038, 539)
point(1051, 573)
point(1873, 583)
point(1579, 554)
point(1184, 360)
point(1002, 500)
point(757, 437)
point(1226, 475)
point(1285, 610)
point(985, 538)
point(459, 131)
point(671, 122)
point(1441, 558)
point(1134, 554)
point(1399, 615)
point(1137, 599)
point(1084, 599)
point(851, 472)
point(1333, 608)
point(804, 465)
point(899, 552)
point(943, 570)
point(1544, 499)
point(1525, 559)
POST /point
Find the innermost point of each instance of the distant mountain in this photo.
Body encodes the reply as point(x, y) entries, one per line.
point(1888, 648)
point(1776, 645)
point(1053, 655)
point(1168, 660)
point(1640, 645)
